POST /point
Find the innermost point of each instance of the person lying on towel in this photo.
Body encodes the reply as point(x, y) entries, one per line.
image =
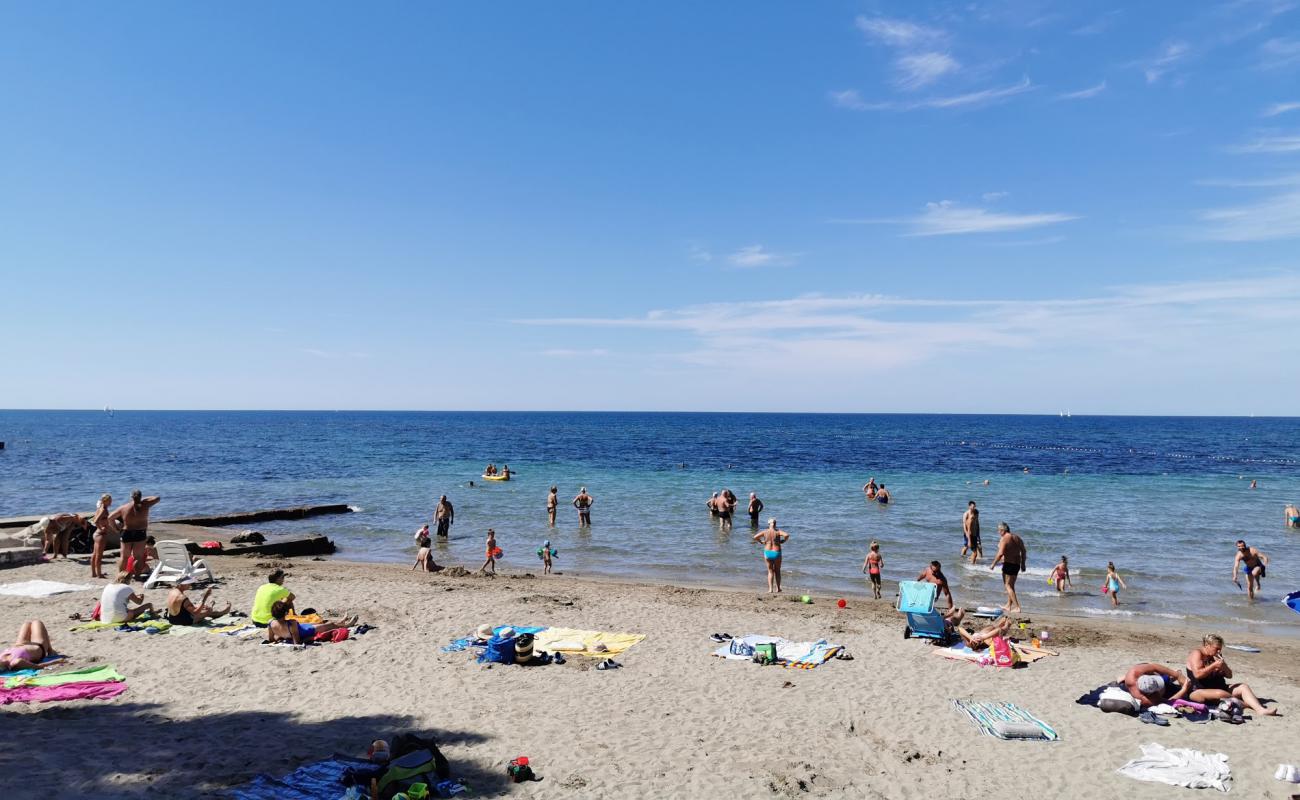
point(1153, 684)
point(293, 632)
point(978, 639)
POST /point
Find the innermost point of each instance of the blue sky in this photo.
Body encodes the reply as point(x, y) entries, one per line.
point(967, 207)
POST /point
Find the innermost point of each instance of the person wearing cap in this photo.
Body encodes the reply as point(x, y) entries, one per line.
point(268, 594)
point(1153, 684)
point(583, 503)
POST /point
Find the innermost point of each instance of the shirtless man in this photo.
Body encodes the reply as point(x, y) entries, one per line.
point(882, 496)
point(1012, 555)
point(726, 504)
point(1209, 675)
point(755, 508)
point(869, 488)
point(583, 503)
point(970, 528)
point(772, 539)
point(1292, 515)
point(552, 504)
point(1153, 684)
point(713, 503)
point(934, 574)
point(1252, 562)
point(133, 520)
point(444, 515)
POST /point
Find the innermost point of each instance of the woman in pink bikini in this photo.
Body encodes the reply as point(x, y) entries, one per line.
point(872, 566)
point(30, 648)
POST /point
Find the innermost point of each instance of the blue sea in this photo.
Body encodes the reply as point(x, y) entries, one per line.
point(1163, 497)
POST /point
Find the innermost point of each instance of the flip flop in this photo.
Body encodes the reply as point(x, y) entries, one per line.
point(717, 637)
point(602, 666)
point(1153, 719)
point(559, 658)
point(726, 636)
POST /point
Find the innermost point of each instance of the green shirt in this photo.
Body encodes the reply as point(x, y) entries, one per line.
point(267, 594)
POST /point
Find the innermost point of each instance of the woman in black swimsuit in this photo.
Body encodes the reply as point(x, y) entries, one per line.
point(180, 611)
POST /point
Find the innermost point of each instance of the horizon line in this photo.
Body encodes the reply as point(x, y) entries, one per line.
point(1066, 415)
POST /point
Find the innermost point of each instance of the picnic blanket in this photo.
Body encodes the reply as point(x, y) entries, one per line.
point(584, 643)
point(797, 655)
point(1178, 766)
point(39, 588)
point(99, 674)
point(1005, 721)
point(84, 690)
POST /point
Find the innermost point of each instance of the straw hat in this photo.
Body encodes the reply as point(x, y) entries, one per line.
point(484, 632)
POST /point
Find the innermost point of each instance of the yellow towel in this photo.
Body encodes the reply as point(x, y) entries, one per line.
point(615, 643)
point(310, 619)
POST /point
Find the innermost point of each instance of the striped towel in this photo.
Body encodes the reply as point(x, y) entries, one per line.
point(1005, 721)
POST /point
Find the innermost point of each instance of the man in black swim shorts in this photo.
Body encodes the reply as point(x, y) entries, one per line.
point(133, 520)
point(1012, 555)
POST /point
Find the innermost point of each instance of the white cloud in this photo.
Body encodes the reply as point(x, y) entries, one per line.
point(1280, 108)
point(1083, 94)
point(918, 70)
point(993, 197)
point(1156, 68)
point(898, 32)
point(1269, 219)
point(853, 101)
point(1269, 143)
point(755, 256)
point(947, 218)
point(1279, 53)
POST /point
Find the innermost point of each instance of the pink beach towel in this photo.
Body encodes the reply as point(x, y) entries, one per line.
point(101, 690)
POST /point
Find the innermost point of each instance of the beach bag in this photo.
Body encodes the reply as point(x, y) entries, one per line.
point(1001, 653)
point(765, 653)
point(417, 766)
point(95, 614)
point(739, 648)
point(499, 650)
point(524, 648)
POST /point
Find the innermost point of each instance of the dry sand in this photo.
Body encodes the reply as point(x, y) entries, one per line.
point(205, 711)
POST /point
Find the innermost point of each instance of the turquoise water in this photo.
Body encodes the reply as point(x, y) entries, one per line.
point(1165, 498)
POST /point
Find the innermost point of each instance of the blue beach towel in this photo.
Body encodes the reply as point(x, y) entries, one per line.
point(316, 781)
point(1292, 601)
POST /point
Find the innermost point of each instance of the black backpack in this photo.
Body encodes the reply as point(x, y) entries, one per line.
point(415, 760)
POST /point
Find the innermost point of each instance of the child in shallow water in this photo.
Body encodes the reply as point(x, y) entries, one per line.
point(1113, 583)
point(546, 553)
point(872, 566)
point(1061, 575)
point(493, 553)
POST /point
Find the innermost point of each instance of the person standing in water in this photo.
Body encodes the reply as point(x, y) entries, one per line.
point(583, 503)
point(1060, 577)
point(726, 504)
point(970, 527)
point(869, 488)
point(1253, 563)
point(772, 539)
point(882, 496)
point(493, 552)
point(552, 505)
point(1012, 555)
point(1113, 583)
point(755, 508)
point(1292, 515)
point(872, 566)
point(444, 515)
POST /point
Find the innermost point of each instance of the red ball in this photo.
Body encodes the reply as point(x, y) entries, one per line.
point(842, 603)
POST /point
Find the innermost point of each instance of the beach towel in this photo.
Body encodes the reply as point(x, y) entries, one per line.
point(1177, 766)
point(100, 674)
point(1005, 721)
point(152, 625)
point(67, 691)
point(545, 641)
point(22, 673)
point(321, 779)
point(41, 588)
point(960, 652)
point(796, 655)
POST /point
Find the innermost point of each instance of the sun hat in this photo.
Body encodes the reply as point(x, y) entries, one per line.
point(484, 631)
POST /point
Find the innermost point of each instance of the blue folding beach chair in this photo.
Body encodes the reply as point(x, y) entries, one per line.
point(916, 600)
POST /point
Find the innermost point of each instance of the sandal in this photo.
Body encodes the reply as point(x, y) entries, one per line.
point(717, 637)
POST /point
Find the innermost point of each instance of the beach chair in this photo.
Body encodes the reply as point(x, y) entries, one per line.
point(174, 563)
point(916, 600)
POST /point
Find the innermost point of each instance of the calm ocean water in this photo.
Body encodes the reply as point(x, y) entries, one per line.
point(1165, 498)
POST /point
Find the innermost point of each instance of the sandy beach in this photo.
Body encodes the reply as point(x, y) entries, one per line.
point(204, 712)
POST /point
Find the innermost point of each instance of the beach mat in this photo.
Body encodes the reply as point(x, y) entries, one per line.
point(795, 655)
point(316, 781)
point(87, 690)
point(1005, 721)
point(39, 588)
point(104, 673)
point(584, 643)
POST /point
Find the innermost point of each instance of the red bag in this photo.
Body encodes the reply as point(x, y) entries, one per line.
point(95, 614)
point(336, 635)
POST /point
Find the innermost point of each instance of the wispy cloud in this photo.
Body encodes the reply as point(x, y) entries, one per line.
point(993, 197)
point(1279, 53)
point(918, 70)
point(1280, 108)
point(850, 99)
point(755, 255)
point(899, 32)
point(560, 352)
point(1268, 219)
point(947, 218)
point(699, 254)
point(1099, 25)
point(1083, 94)
point(819, 334)
point(1156, 68)
point(1269, 143)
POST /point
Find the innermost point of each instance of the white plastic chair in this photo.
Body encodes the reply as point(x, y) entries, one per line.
point(174, 563)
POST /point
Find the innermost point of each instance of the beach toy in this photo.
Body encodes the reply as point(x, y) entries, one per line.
point(1044, 635)
point(497, 553)
point(842, 602)
point(805, 599)
point(418, 791)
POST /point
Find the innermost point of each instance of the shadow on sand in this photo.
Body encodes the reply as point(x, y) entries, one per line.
point(131, 750)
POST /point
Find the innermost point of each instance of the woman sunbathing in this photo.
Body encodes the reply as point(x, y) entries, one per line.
point(980, 638)
point(30, 648)
point(282, 629)
point(180, 611)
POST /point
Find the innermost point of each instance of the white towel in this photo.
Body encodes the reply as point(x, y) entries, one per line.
point(41, 588)
point(1180, 767)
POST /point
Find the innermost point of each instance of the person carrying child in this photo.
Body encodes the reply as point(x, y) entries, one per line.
point(1113, 583)
point(872, 565)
